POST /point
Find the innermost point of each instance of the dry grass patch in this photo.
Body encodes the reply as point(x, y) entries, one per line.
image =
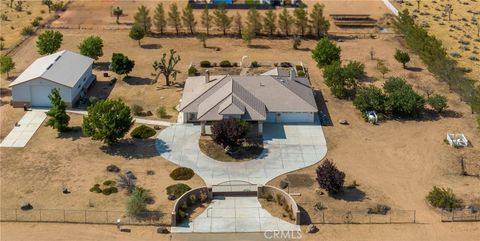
point(250, 149)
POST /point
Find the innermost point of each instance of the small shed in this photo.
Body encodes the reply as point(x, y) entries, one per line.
point(67, 71)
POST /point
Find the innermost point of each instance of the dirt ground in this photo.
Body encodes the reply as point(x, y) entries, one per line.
point(461, 17)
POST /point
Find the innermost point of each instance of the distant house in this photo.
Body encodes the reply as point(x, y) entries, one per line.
point(277, 96)
point(70, 72)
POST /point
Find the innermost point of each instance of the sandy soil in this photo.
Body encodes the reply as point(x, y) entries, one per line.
point(461, 17)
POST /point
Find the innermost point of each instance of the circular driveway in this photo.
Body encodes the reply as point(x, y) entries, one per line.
point(286, 148)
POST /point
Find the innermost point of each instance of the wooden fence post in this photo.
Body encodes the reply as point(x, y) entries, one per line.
point(64, 216)
point(106, 214)
point(414, 216)
point(16, 217)
point(323, 217)
point(85, 212)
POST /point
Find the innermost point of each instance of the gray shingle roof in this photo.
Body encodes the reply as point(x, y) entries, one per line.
point(248, 96)
point(64, 67)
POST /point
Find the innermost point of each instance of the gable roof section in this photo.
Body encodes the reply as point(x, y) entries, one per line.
point(64, 67)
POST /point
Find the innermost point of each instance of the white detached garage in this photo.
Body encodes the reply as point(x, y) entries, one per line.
point(70, 72)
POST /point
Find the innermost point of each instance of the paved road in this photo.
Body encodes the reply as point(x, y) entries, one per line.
point(287, 148)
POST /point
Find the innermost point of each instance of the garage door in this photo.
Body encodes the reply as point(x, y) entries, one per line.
point(300, 117)
point(40, 94)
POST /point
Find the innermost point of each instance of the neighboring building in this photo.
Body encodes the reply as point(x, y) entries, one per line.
point(70, 72)
point(277, 96)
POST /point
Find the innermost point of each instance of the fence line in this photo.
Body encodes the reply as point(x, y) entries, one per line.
point(460, 216)
point(79, 216)
point(359, 217)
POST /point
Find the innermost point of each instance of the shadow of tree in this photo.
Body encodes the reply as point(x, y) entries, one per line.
point(102, 66)
point(151, 46)
point(349, 195)
point(74, 133)
point(259, 46)
point(132, 80)
point(414, 69)
point(305, 218)
point(132, 148)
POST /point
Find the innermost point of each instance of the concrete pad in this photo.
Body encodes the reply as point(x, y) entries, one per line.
point(28, 125)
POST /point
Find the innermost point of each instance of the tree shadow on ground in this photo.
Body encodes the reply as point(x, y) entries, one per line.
point(414, 69)
point(349, 195)
point(132, 148)
point(101, 66)
point(101, 89)
point(323, 113)
point(133, 80)
point(214, 48)
point(74, 133)
point(259, 46)
point(306, 49)
point(305, 218)
point(151, 46)
point(367, 79)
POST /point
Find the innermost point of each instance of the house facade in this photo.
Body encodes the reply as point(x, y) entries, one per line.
point(67, 71)
point(277, 96)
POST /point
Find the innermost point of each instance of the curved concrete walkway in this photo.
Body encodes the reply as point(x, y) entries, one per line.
point(287, 148)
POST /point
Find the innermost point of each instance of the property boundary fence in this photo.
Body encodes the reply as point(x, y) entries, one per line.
point(79, 216)
point(359, 217)
point(460, 216)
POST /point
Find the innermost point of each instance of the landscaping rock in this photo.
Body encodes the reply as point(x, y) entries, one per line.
point(125, 230)
point(343, 122)
point(130, 175)
point(283, 184)
point(113, 168)
point(26, 206)
point(311, 228)
point(163, 230)
point(172, 197)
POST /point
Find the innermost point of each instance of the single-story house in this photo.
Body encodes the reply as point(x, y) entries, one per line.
point(277, 96)
point(70, 72)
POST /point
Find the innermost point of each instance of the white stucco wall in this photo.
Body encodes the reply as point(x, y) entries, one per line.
point(23, 92)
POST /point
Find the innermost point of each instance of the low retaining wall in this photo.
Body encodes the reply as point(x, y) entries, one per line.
point(290, 201)
point(185, 198)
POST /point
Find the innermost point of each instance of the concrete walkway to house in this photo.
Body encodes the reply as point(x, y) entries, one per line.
point(235, 214)
point(286, 148)
point(23, 132)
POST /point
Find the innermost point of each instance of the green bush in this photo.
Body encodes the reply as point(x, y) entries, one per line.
point(136, 202)
point(225, 64)
point(298, 67)
point(404, 102)
point(254, 64)
point(192, 71)
point(28, 30)
point(137, 109)
point(326, 52)
point(438, 102)
point(143, 132)
point(162, 112)
point(35, 22)
point(178, 189)
point(369, 98)
point(443, 198)
point(106, 191)
point(205, 64)
point(300, 73)
point(109, 183)
point(394, 84)
point(96, 189)
point(182, 173)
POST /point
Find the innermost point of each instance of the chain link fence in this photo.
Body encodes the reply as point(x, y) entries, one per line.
point(358, 217)
point(79, 216)
point(460, 216)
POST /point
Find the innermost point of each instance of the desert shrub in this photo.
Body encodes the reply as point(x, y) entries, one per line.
point(235, 64)
point(203, 196)
point(112, 168)
point(109, 183)
point(193, 199)
point(137, 109)
point(285, 65)
point(107, 191)
point(443, 198)
point(296, 42)
point(379, 209)
point(325, 52)
point(3, 17)
point(319, 206)
point(279, 199)
point(267, 196)
point(329, 177)
point(182, 173)
point(298, 67)
point(438, 102)
point(254, 64)
point(228, 132)
point(192, 71)
point(27, 30)
point(59, 6)
point(35, 22)
point(225, 64)
point(394, 84)
point(178, 189)
point(300, 73)
point(205, 64)
point(136, 202)
point(369, 98)
point(161, 112)
point(96, 189)
point(126, 182)
point(143, 132)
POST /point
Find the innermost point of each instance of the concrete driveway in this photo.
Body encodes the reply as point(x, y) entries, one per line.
point(235, 214)
point(287, 148)
point(27, 126)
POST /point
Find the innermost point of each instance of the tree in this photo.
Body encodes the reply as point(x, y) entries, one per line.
point(369, 98)
point(206, 19)
point(382, 68)
point(108, 121)
point(121, 64)
point(438, 102)
point(325, 52)
point(285, 21)
point(221, 19)
point(58, 112)
point(254, 21)
point(6, 65)
point(402, 100)
point(296, 41)
point(167, 67)
point(137, 33)
point(203, 37)
point(443, 198)
point(449, 10)
point(117, 12)
point(402, 57)
point(237, 21)
point(228, 132)
point(49, 41)
point(189, 19)
point(92, 47)
point(269, 22)
point(301, 19)
point(143, 19)
point(174, 18)
point(248, 35)
point(159, 18)
point(48, 3)
point(329, 177)
point(136, 202)
point(319, 24)
point(394, 84)
point(342, 79)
